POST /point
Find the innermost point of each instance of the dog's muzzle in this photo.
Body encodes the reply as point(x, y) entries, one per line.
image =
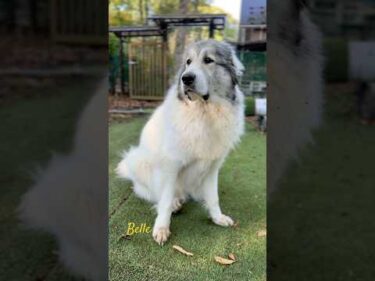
point(188, 80)
point(193, 96)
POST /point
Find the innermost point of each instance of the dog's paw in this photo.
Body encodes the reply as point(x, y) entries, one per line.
point(223, 220)
point(161, 235)
point(177, 204)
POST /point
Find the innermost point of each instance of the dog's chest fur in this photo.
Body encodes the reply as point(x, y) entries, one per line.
point(206, 130)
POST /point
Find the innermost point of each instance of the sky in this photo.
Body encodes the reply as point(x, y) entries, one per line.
point(233, 7)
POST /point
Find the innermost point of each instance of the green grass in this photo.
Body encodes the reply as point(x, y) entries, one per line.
point(320, 220)
point(243, 196)
point(31, 128)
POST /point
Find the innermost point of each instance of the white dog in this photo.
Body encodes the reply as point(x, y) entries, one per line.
point(69, 197)
point(186, 140)
point(294, 74)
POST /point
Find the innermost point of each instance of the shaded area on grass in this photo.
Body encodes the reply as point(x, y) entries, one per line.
point(319, 225)
point(242, 193)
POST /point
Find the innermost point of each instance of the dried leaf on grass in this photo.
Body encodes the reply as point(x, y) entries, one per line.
point(261, 233)
point(223, 261)
point(182, 250)
point(232, 257)
point(125, 237)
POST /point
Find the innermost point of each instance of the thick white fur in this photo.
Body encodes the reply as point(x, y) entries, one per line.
point(180, 152)
point(295, 89)
point(69, 198)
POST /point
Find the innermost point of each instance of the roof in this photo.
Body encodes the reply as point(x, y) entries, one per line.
point(134, 31)
point(217, 20)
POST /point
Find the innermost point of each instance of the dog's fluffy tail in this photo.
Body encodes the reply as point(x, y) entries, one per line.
point(136, 166)
point(122, 169)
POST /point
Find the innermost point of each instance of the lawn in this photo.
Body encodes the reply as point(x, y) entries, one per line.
point(320, 221)
point(34, 123)
point(243, 196)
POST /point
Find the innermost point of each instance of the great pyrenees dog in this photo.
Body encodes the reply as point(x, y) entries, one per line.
point(186, 140)
point(184, 143)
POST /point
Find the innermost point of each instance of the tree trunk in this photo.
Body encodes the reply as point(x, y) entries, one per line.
point(147, 8)
point(181, 34)
point(198, 29)
point(140, 4)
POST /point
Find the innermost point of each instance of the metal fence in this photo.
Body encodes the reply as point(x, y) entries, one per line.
point(146, 75)
point(255, 75)
point(147, 70)
point(79, 21)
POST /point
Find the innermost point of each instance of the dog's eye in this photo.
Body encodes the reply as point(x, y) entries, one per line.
point(207, 60)
point(188, 61)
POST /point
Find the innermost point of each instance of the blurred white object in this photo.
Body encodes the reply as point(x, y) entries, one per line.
point(69, 198)
point(295, 84)
point(362, 60)
point(261, 106)
point(258, 86)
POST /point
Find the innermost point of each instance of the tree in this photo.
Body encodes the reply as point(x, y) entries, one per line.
point(181, 33)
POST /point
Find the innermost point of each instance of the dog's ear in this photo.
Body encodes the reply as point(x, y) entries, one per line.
point(236, 63)
point(238, 66)
point(177, 78)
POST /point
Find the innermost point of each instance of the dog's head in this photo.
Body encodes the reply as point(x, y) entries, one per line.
point(209, 69)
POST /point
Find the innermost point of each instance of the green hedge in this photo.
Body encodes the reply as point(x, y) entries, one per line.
point(114, 60)
point(249, 106)
point(336, 59)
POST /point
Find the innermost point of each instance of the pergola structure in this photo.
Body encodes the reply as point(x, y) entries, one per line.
point(213, 21)
point(159, 26)
point(254, 47)
point(136, 31)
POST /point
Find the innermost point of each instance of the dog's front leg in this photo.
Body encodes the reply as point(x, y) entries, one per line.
point(210, 194)
point(164, 206)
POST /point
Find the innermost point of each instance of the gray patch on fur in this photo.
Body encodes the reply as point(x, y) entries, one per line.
point(289, 30)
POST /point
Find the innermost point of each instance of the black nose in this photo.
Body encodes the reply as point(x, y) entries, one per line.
point(188, 78)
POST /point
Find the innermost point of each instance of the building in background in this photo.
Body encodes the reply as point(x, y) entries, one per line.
point(253, 28)
point(253, 33)
point(251, 44)
point(349, 30)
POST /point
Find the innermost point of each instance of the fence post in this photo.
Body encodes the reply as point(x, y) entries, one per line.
point(164, 58)
point(212, 29)
point(122, 74)
point(53, 19)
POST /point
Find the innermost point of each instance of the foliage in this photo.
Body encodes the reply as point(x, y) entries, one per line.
point(135, 12)
point(336, 54)
point(249, 106)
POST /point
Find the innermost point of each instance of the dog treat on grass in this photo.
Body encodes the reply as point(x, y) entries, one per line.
point(232, 257)
point(261, 233)
point(182, 250)
point(223, 261)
